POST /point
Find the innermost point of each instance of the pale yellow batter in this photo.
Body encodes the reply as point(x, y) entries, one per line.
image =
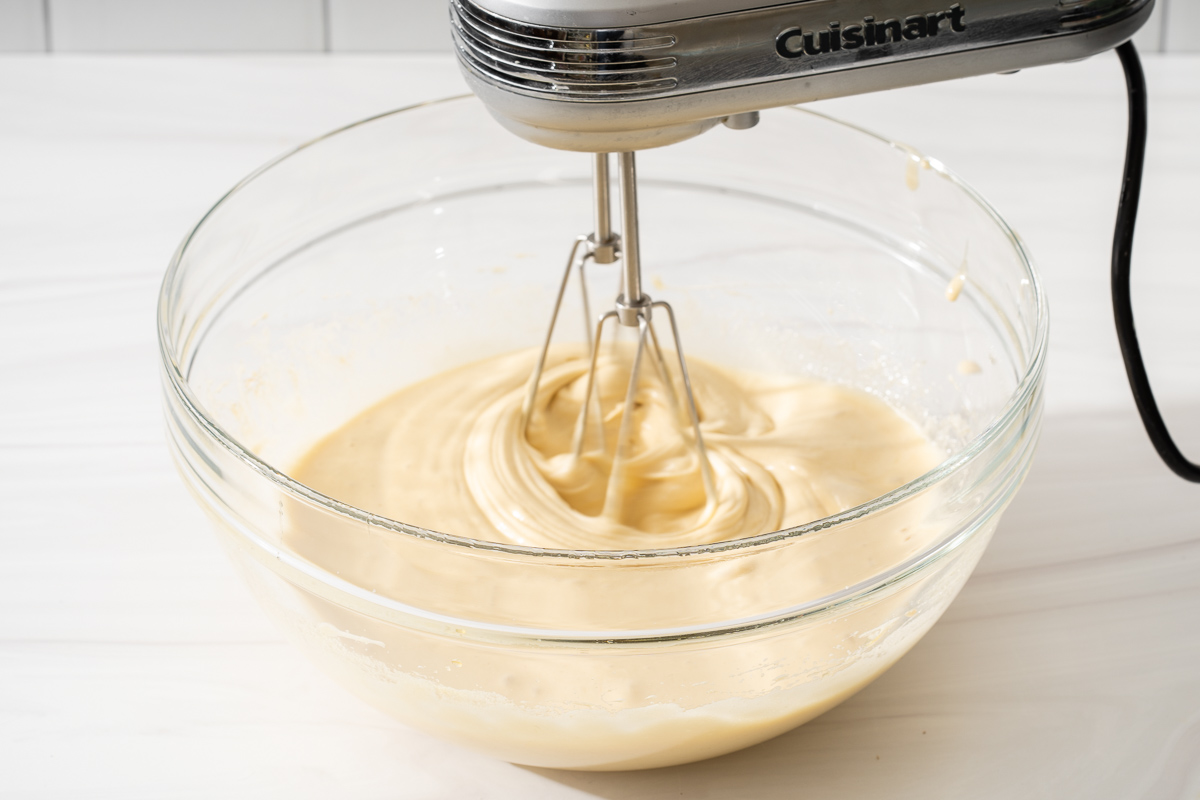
point(451, 454)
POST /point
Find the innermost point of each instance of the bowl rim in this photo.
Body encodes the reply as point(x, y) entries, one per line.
point(1018, 400)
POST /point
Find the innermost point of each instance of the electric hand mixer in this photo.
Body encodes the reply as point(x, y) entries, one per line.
point(614, 76)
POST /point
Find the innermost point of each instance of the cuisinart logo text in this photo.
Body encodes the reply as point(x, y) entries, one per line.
point(795, 42)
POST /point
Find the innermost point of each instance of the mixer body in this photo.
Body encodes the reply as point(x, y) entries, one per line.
point(615, 75)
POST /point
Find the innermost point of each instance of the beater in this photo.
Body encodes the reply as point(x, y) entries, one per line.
point(618, 76)
point(633, 308)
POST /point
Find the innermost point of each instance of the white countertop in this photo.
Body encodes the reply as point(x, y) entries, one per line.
point(133, 663)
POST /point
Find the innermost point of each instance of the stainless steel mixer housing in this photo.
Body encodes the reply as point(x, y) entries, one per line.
point(615, 75)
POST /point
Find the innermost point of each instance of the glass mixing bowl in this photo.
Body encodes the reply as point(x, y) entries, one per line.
point(423, 239)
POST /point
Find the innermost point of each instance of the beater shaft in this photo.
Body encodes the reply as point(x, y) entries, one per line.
point(603, 241)
point(631, 301)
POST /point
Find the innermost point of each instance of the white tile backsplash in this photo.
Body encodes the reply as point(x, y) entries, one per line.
point(315, 25)
point(22, 28)
point(1183, 17)
point(1150, 39)
point(389, 25)
point(186, 25)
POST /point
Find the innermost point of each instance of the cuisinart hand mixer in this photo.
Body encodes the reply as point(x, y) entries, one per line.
point(617, 76)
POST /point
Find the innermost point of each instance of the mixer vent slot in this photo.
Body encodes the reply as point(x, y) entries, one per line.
point(577, 64)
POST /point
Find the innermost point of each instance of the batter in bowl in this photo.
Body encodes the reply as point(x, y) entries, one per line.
point(452, 454)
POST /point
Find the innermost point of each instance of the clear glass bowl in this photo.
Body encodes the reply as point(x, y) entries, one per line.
point(419, 240)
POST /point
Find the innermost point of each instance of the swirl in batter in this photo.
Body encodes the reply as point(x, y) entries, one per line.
point(451, 454)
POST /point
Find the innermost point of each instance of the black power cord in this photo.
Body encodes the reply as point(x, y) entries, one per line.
point(1131, 186)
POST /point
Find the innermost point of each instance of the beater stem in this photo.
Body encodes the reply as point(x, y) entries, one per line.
point(604, 241)
point(631, 300)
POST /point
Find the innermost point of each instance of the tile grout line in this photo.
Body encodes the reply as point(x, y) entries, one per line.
point(47, 39)
point(326, 33)
point(1162, 26)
